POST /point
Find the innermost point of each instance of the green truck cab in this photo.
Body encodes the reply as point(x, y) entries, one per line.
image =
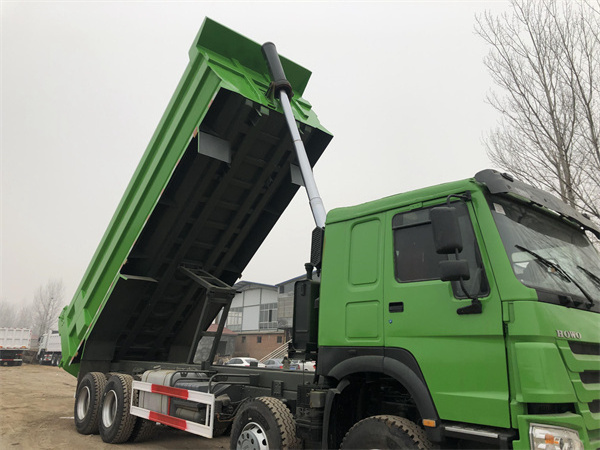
point(526, 360)
point(464, 315)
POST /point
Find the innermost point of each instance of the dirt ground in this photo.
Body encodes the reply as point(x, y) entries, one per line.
point(36, 411)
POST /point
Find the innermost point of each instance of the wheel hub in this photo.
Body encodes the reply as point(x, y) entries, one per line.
point(252, 437)
point(109, 409)
point(83, 402)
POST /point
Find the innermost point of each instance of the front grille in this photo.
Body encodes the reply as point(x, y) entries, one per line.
point(590, 376)
point(582, 360)
point(585, 348)
point(550, 408)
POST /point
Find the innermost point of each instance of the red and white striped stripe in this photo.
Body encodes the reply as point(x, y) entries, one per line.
point(175, 422)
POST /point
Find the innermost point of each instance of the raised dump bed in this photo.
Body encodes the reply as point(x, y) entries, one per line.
point(214, 180)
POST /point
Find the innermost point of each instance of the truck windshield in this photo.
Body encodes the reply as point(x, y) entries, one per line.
point(549, 254)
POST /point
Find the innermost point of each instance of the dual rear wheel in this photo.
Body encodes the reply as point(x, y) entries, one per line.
point(102, 406)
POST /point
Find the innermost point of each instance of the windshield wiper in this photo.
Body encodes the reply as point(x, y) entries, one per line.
point(560, 271)
point(591, 275)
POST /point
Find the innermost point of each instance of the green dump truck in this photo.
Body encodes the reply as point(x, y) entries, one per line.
point(464, 315)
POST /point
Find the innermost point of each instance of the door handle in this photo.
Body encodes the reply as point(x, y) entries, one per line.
point(396, 307)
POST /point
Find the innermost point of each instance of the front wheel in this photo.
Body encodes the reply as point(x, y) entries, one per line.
point(386, 432)
point(263, 423)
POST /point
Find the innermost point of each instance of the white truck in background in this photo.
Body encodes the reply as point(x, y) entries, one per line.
point(13, 341)
point(49, 352)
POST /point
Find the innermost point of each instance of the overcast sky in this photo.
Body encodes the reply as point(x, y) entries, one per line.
point(401, 85)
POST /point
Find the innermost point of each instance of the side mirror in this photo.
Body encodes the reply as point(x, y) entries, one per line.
point(448, 241)
point(446, 232)
point(454, 270)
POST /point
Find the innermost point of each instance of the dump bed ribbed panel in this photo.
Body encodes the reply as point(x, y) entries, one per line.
point(213, 182)
point(212, 216)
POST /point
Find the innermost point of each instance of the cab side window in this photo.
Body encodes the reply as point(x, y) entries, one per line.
point(416, 259)
point(415, 256)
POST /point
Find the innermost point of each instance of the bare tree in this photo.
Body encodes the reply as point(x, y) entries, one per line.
point(25, 317)
point(545, 56)
point(48, 301)
point(8, 314)
point(12, 316)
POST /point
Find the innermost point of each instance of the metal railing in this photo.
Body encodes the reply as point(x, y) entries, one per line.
point(279, 352)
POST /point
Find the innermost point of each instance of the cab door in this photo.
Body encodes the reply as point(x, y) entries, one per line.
point(462, 357)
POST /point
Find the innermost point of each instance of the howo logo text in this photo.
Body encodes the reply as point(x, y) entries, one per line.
point(568, 334)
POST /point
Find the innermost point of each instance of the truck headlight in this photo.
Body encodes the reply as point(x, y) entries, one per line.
point(544, 437)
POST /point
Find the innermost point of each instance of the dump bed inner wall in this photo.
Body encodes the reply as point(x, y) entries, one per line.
point(213, 215)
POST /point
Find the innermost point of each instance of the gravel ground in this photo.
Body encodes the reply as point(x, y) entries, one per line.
point(36, 411)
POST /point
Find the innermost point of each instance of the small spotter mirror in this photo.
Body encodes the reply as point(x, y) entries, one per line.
point(454, 270)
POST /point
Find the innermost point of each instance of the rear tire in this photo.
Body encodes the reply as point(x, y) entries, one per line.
point(264, 423)
point(116, 424)
point(143, 429)
point(87, 402)
point(386, 432)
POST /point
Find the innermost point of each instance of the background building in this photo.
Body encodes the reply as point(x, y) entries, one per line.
point(224, 351)
point(262, 316)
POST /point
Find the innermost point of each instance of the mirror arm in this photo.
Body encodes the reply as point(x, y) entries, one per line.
point(475, 307)
point(466, 197)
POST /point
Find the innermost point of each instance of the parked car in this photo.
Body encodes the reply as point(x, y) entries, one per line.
point(295, 364)
point(244, 362)
point(275, 363)
point(307, 366)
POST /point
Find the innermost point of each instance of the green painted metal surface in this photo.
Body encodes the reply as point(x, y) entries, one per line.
point(462, 357)
point(482, 368)
point(184, 206)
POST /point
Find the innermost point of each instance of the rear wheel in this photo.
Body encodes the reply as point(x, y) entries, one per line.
point(116, 424)
point(143, 429)
point(386, 432)
point(263, 423)
point(88, 401)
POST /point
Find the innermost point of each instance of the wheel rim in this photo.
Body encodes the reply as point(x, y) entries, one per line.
point(109, 409)
point(253, 437)
point(83, 402)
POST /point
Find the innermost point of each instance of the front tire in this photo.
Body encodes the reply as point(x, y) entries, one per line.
point(386, 432)
point(263, 423)
point(116, 424)
point(88, 399)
